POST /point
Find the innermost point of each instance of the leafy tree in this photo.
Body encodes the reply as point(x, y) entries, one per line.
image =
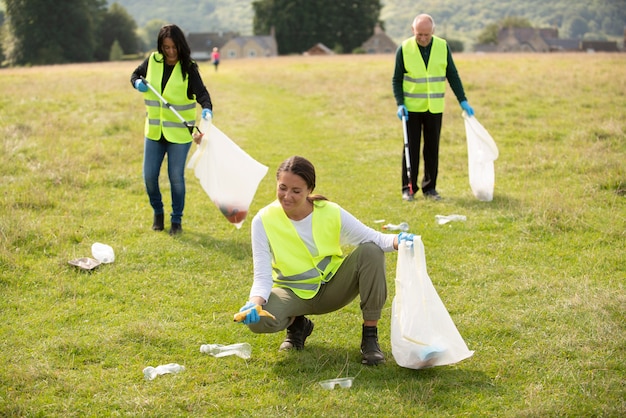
point(455, 45)
point(489, 35)
point(299, 24)
point(150, 32)
point(577, 27)
point(49, 32)
point(116, 52)
point(118, 25)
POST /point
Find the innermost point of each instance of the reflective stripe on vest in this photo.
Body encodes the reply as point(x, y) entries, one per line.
point(424, 87)
point(294, 267)
point(159, 117)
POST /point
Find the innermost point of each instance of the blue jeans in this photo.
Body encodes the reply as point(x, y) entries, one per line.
point(154, 153)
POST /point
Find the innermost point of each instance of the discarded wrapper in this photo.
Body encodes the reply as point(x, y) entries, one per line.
point(85, 263)
point(444, 219)
point(344, 382)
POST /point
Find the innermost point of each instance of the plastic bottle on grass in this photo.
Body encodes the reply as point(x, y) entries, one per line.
point(102, 252)
point(152, 372)
point(402, 226)
point(243, 350)
point(444, 219)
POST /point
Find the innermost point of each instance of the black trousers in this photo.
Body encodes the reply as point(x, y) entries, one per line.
point(428, 124)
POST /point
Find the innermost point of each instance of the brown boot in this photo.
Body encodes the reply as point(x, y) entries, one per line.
point(297, 333)
point(370, 350)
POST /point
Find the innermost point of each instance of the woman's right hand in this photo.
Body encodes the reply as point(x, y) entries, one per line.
point(252, 314)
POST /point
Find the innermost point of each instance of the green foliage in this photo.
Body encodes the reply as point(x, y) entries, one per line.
point(576, 27)
point(489, 35)
point(71, 31)
point(535, 280)
point(117, 25)
point(455, 45)
point(150, 32)
point(52, 32)
point(300, 24)
point(194, 16)
point(117, 52)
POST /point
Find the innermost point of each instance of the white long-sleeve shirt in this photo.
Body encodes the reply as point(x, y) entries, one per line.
point(353, 232)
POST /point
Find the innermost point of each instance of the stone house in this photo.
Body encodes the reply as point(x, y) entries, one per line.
point(250, 47)
point(599, 46)
point(379, 43)
point(525, 39)
point(319, 49)
point(201, 44)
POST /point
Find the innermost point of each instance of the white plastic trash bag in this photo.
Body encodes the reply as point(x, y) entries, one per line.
point(227, 174)
point(482, 151)
point(422, 332)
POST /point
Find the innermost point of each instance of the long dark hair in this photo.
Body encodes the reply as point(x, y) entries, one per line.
point(182, 47)
point(303, 168)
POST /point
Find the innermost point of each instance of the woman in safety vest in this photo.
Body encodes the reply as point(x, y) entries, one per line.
point(172, 73)
point(299, 266)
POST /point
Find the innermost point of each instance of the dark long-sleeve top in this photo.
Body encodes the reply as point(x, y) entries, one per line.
point(195, 86)
point(452, 74)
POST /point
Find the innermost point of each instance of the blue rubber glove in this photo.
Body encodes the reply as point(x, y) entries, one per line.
point(207, 114)
point(141, 86)
point(468, 109)
point(405, 236)
point(253, 316)
point(402, 112)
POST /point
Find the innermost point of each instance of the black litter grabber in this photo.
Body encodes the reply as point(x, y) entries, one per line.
point(170, 107)
point(407, 156)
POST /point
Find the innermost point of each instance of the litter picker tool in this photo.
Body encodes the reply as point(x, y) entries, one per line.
point(407, 156)
point(170, 107)
point(240, 316)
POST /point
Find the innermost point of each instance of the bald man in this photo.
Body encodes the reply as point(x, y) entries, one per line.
point(423, 64)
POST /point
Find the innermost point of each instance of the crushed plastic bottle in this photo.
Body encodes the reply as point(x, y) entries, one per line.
point(444, 219)
point(402, 226)
point(242, 350)
point(344, 382)
point(102, 252)
point(152, 372)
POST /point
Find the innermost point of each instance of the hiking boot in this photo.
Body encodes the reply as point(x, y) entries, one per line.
point(370, 350)
point(176, 229)
point(297, 333)
point(157, 223)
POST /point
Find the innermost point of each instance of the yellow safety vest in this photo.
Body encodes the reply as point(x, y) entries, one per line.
point(424, 87)
point(158, 117)
point(294, 267)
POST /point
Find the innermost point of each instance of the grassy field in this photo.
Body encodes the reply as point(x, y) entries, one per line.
point(534, 280)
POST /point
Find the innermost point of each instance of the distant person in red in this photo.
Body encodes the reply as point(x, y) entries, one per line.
point(215, 57)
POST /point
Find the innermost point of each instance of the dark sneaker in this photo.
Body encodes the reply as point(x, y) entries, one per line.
point(297, 333)
point(370, 350)
point(157, 223)
point(432, 194)
point(407, 196)
point(176, 229)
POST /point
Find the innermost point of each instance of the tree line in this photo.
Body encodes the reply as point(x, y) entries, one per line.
point(37, 32)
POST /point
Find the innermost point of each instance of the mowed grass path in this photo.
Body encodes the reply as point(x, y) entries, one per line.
point(534, 280)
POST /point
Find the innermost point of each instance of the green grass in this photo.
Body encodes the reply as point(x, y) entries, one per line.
point(534, 280)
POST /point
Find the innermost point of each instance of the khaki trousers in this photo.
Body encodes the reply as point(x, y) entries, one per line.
point(362, 273)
